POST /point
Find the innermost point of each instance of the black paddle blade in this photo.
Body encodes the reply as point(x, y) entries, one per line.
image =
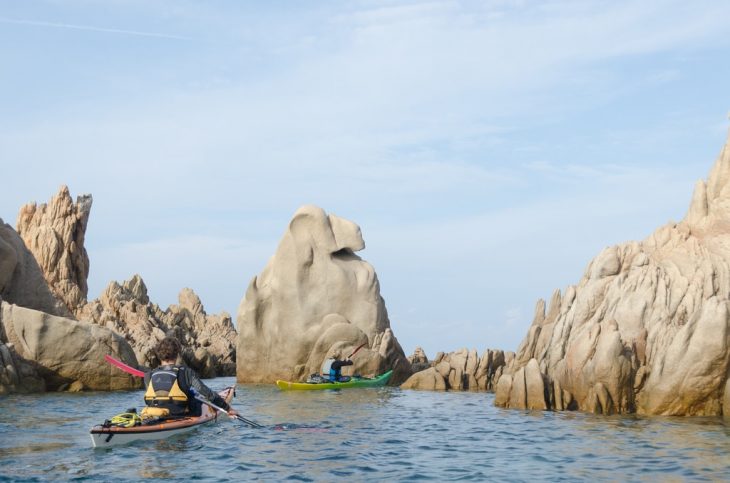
point(299, 427)
point(248, 421)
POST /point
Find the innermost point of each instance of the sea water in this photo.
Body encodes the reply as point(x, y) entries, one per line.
point(357, 435)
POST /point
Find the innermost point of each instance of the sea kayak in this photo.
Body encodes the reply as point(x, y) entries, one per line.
point(103, 436)
point(380, 380)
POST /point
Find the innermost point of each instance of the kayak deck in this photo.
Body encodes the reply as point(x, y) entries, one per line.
point(115, 435)
point(380, 380)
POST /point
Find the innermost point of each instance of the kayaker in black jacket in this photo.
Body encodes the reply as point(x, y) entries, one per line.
point(332, 366)
point(169, 386)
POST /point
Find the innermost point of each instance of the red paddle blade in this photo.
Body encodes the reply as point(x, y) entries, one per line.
point(121, 365)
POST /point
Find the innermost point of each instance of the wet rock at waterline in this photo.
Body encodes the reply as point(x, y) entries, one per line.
point(646, 330)
point(315, 295)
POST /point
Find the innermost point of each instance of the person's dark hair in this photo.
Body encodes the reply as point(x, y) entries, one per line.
point(168, 349)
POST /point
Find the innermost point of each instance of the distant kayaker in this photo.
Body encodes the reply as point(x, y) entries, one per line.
point(332, 366)
point(169, 386)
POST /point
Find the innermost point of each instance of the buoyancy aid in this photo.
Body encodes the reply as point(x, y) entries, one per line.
point(328, 371)
point(164, 391)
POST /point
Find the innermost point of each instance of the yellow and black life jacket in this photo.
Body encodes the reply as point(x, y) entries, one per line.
point(164, 391)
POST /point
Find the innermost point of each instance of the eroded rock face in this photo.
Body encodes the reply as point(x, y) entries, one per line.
point(54, 233)
point(208, 340)
point(51, 277)
point(314, 295)
point(418, 360)
point(647, 328)
point(53, 353)
point(462, 370)
point(21, 279)
point(16, 374)
point(429, 380)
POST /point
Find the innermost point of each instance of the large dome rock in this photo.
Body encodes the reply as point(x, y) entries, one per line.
point(45, 352)
point(646, 330)
point(54, 233)
point(21, 278)
point(208, 340)
point(314, 295)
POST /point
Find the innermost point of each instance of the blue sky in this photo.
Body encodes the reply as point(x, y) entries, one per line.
point(488, 150)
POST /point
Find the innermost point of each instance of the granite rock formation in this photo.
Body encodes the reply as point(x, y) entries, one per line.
point(314, 295)
point(45, 352)
point(462, 370)
point(646, 330)
point(54, 233)
point(21, 279)
point(51, 277)
point(419, 360)
point(208, 340)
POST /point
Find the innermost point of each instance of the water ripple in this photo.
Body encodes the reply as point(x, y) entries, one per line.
point(384, 434)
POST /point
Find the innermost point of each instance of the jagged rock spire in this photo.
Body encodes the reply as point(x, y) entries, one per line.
point(54, 232)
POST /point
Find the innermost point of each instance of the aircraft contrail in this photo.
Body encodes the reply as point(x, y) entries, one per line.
point(93, 29)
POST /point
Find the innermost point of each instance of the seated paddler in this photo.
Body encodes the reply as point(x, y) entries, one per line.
point(170, 388)
point(332, 366)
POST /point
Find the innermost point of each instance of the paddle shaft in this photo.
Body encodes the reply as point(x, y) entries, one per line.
point(355, 352)
point(138, 373)
point(218, 408)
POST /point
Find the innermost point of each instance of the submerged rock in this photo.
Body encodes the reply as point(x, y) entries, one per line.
point(315, 295)
point(647, 328)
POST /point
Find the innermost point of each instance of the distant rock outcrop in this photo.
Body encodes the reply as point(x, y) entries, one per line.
point(314, 295)
point(208, 340)
point(54, 233)
point(646, 330)
point(462, 370)
point(45, 352)
point(419, 360)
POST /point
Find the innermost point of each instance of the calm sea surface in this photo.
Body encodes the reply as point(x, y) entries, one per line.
point(358, 435)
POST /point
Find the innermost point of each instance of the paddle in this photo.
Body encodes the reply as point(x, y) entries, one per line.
point(200, 398)
point(135, 372)
point(121, 365)
point(355, 352)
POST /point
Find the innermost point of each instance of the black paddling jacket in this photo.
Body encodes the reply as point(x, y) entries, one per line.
point(169, 387)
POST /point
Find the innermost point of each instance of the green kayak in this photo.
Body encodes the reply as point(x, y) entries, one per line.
point(380, 380)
